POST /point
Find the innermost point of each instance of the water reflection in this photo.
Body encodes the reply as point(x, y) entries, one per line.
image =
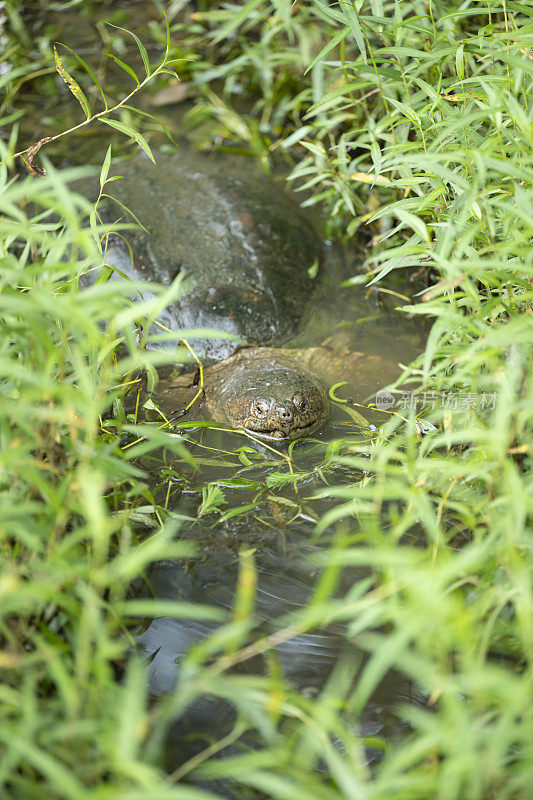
point(286, 581)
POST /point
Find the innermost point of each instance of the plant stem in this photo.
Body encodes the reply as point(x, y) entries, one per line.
point(85, 122)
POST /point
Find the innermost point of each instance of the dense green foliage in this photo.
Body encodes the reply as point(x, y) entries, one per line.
point(413, 120)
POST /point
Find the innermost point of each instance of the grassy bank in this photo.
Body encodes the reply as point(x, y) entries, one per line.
point(411, 122)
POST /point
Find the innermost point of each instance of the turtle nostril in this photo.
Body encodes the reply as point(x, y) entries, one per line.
point(285, 414)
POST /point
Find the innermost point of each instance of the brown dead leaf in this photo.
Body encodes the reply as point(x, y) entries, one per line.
point(173, 93)
point(31, 166)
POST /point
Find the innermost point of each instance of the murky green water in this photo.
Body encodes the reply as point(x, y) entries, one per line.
point(277, 521)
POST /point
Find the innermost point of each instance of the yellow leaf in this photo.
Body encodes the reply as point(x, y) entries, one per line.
point(72, 85)
point(365, 177)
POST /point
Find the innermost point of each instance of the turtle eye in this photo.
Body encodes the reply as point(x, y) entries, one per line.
point(299, 402)
point(260, 408)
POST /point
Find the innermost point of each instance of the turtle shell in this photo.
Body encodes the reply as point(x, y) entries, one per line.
point(245, 246)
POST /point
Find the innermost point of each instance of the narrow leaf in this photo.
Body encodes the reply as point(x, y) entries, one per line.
point(239, 510)
point(330, 45)
point(167, 29)
point(329, 11)
point(246, 585)
point(415, 223)
point(406, 110)
point(296, 136)
point(125, 67)
point(88, 69)
point(141, 141)
point(353, 20)
point(128, 210)
point(105, 166)
point(169, 608)
point(161, 124)
point(72, 85)
point(142, 48)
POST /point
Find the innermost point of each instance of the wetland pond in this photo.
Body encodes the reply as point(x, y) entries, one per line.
point(232, 493)
point(238, 498)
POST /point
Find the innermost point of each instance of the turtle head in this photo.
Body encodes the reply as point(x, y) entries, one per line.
point(275, 401)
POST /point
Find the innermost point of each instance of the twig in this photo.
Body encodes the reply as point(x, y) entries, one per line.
point(33, 149)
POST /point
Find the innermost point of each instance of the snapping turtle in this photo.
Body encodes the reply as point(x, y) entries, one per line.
point(247, 249)
point(244, 245)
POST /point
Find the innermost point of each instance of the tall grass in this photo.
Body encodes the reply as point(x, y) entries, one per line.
point(413, 120)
